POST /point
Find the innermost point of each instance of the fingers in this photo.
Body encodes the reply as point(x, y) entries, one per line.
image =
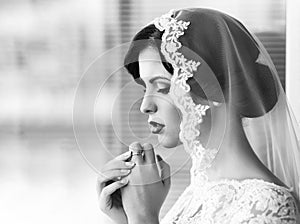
point(115, 170)
point(113, 175)
point(105, 194)
point(149, 153)
point(136, 149)
point(165, 171)
point(142, 154)
point(118, 164)
point(111, 188)
point(124, 156)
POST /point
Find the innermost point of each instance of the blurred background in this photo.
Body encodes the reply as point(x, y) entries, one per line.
point(46, 46)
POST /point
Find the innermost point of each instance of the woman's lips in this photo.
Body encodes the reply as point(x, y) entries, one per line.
point(155, 127)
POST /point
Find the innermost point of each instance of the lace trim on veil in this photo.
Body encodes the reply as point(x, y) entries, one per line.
point(205, 201)
point(192, 114)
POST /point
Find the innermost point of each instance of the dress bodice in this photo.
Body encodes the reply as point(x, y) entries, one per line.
point(231, 201)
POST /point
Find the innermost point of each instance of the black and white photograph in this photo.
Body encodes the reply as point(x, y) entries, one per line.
point(150, 112)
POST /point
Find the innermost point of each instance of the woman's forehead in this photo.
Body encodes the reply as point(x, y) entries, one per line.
point(150, 64)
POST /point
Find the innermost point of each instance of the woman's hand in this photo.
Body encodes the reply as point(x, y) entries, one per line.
point(149, 184)
point(112, 178)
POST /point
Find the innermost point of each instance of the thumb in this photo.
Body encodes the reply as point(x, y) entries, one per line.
point(164, 170)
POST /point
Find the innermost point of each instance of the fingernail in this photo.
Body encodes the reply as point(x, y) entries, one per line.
point(126, 154)
point(130, 164)
point(124, 171)
point(124, 181)
point(147, 146)
point(135, 146)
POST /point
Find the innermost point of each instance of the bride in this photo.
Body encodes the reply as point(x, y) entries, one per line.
point(209, 85)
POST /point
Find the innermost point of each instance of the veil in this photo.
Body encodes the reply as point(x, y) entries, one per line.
point(215, 57)
point(275, 137)
point(221, 73)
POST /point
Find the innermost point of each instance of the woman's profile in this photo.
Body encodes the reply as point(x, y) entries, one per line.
point(211, 86)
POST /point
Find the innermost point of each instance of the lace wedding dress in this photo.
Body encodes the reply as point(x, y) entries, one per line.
point(226, 201)
point(229, 201)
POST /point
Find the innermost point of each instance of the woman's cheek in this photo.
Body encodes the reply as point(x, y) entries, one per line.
point(171, 136)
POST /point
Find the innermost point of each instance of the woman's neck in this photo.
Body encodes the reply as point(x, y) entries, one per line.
point(236, 158)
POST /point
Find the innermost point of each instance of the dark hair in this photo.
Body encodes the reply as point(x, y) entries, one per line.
point(151, 36)
point(148, 36)
point(258, 74)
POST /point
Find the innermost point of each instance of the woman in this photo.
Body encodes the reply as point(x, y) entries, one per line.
point(211, 86)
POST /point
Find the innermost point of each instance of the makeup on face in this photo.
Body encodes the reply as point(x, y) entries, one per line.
point(163, 117)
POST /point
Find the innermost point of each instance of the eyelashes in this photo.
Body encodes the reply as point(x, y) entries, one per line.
point(164, 90)
point(161, 90)
point(158, 87)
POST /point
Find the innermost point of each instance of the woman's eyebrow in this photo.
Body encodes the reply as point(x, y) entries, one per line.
point(158, 77)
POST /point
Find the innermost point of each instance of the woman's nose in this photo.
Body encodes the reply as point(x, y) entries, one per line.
point(148, 106)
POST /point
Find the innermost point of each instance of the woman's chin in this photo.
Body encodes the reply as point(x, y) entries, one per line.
point(168, 142)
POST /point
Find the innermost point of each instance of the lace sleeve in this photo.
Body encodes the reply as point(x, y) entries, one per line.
point(273, 205)
point(251, 201)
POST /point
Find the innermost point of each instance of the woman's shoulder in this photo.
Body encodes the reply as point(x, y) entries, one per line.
point(236, 201)
point(264, 190)
point(259, 189)
point(266, 200)
point(253, 201)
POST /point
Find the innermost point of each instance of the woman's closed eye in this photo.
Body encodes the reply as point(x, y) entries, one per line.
point(163, 88)
point(157, 86)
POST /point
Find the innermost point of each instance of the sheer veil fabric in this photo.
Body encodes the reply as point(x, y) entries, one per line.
point(215, 57)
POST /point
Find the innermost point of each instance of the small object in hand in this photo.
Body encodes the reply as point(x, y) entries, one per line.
point(135, 151)
point(140, 152)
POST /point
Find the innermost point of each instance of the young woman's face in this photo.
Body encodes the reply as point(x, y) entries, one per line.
point(164, 118)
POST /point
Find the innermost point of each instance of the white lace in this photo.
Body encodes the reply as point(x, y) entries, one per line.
point(230, 201)
point(191, 113)
point(249, 201)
